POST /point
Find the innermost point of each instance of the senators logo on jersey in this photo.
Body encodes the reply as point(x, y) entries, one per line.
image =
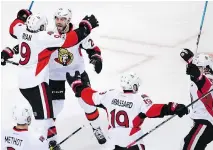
point(64, 57)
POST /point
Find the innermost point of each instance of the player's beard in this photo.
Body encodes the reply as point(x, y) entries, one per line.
point(60, 28)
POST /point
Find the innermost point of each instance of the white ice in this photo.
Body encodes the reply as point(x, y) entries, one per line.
point(144, 37)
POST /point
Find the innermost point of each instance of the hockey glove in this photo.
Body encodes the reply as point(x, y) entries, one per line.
point(5, 55)
point(89, 23)
point(174, 108)
point(194, 72)
point(75, 83)
point(23, 14)
point(96, 60)
point(187, 55)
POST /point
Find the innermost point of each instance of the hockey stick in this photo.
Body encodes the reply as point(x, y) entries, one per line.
point(12, 62)
point(147, 133)
point(69, 136)
point(17, 64)
point(201, 25)
point(31, 5)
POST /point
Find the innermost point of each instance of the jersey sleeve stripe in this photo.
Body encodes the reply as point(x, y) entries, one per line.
point(92, 116)
point(154, 110)
point(87, 94)
point(71, 39)
point(13, 24)
point(43, 60)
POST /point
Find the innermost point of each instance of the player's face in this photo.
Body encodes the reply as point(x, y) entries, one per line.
point(60, 23)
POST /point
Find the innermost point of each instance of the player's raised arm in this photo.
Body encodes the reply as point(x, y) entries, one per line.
point(151, 110)
point(197, 67)
point(18, 24)
point(69, 39)
point(83, 90)
point(94, 53)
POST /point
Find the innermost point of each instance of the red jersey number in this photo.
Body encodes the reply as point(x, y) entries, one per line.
point(147, 101)
point(121, 118)
point(25, 53)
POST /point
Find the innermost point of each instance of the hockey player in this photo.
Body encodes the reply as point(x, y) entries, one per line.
point(126, 109)
point(71, 60)
point(36, 46)
point(19, 137)
point(200, 70)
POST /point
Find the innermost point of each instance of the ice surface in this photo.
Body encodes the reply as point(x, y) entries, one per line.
point(144, 37)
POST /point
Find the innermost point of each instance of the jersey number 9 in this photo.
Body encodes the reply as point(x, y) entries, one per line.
point(25, 53)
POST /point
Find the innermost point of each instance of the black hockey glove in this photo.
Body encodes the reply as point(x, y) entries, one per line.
point(89, 23)
point(76, 83)
point(23, 14)
point(96, 60)
point(6, 54)
point(193, 71)
point(174, 108)
point(187, 55)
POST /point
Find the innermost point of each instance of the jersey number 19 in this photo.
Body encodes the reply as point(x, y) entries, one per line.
point(116, 117)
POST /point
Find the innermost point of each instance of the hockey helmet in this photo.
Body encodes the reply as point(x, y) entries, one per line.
point(22, 114)
point(204, 61)
point(36, 23)
point(63, 13)
point(130, 81)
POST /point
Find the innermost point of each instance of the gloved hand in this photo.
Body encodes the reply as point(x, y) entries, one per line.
point(89, 23)
point(76, 83)
point(187, 55)
point(23, 14)
point(96, 60)
point(178, 109)
point(6, 54)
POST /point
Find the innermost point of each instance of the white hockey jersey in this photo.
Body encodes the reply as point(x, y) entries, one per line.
point(33, 65)
point(203, 109)
point(69, 59)
point(124, 110)
point(20, 139)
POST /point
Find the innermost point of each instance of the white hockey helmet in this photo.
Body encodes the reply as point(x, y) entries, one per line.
point(202, 60)
point(36, 22)
point(22, 114)
point(63, 13)
point(130, 81)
